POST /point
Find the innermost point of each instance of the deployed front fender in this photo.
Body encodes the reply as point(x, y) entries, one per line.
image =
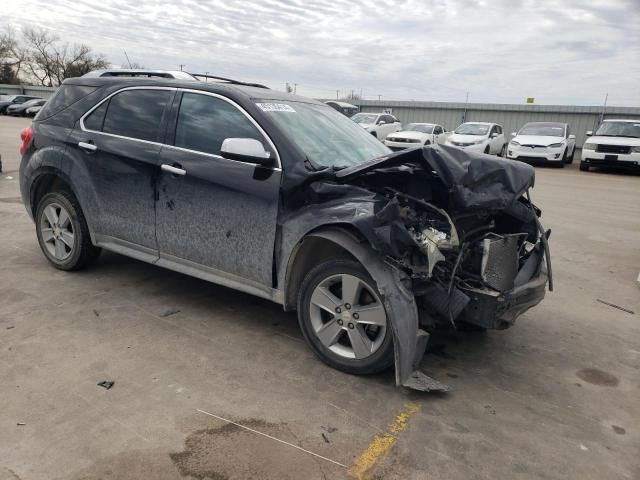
point(409, 341)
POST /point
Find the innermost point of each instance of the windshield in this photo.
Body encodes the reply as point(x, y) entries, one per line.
point(620, 129)
point(364, 118)
point(419, 127)
point(543, 130)
point(472, 129)
point(326, 137)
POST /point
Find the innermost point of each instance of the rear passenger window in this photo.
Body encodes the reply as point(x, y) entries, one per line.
point(204, 122)
point(136, 113)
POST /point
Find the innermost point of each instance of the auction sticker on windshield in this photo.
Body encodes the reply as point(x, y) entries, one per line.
point(276, 107)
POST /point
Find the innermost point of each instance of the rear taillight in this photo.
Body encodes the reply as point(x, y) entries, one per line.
point(26, 134)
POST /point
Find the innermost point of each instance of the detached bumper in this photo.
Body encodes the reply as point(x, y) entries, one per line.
point(495, 310)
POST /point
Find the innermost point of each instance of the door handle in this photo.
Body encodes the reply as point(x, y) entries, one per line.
point(87, 147)
point(174, 170)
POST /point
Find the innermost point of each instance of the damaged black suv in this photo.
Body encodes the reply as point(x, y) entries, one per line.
point(284, 198)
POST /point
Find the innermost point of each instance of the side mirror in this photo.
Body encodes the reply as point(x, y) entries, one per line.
point(589, 133)
point(247, 150)
point(494, 135)
point(572, 137)
point(514, 134)
point(381, 122)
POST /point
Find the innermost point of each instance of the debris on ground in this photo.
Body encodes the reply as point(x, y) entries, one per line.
point(106, 384)
point(21, 424)
point(325, 438)
point(171, 311)
point(616, 306)
point(10, 327)
point(95, 312)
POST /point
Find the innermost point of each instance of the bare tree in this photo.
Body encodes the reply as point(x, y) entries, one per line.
point(49, 61)
point(12, 57)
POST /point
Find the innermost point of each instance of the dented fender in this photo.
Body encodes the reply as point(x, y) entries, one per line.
point(409, 341)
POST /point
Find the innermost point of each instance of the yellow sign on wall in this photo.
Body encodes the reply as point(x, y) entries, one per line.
point(530, 99)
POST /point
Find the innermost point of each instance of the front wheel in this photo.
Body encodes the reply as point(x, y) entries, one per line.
point(584, 167)
point(343, 319)
point(573, 153)
point(62, 232)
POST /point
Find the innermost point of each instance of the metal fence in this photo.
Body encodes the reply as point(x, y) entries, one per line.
point(44, 92)
point(450, 115)
point(511, 117)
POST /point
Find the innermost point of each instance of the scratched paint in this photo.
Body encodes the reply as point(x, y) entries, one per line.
point(382, 443)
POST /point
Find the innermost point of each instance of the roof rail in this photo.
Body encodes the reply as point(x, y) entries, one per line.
point(140, 72)
point(228, 80)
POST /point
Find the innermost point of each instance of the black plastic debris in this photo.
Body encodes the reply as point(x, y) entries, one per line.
point(615, 306)
point(169, 312)
point(106, 384)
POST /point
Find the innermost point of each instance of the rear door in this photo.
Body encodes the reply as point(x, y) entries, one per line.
point(219, 216)
point(118, 142)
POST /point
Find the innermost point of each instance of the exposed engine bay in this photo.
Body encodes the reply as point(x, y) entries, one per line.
point(463, 261)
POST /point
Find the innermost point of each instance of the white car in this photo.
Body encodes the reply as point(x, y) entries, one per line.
point(378, 124)
point(415, 134)
point(615, 144)
point(543, 142)
point(480, 137)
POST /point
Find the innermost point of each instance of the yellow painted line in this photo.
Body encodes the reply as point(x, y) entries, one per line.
point(382, 443)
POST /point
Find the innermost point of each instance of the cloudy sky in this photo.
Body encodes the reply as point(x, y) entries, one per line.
point(558, 51)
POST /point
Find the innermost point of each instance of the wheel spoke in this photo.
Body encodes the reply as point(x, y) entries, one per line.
point(324, 299)
point(372, 315)
point(52, 216)
point(59, 249)
point(350, 289)
point(329, 333)
point(361, 344)
point(47, 234)
point(67, 237)
point(63, 218)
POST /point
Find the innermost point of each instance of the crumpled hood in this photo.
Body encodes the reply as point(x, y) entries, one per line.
point(476, 181)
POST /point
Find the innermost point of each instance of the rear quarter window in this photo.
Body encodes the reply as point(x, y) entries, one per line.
point(64, 97)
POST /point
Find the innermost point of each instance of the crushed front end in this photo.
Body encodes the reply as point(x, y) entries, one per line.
point(462, 227)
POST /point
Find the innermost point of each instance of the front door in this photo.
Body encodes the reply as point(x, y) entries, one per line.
point(216, 215)
point(118, 144)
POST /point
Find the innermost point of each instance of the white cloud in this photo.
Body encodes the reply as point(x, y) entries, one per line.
point(564, 51)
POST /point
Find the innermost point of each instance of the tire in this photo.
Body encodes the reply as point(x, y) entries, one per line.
point(573, 153)
point(428, 142)
point(503, 151)
point(341, 321)
point(584, 167)
point(487, 151)
point(64, 237)
point(374, 134)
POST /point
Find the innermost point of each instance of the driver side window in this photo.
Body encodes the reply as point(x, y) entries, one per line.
point(204, 122)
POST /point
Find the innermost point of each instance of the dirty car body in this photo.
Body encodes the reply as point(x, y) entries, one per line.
point(433, 237)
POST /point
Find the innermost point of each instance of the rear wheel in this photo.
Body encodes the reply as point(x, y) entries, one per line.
point(343, 319)
point(62, 232)
point(486, 150)
point(503, 151)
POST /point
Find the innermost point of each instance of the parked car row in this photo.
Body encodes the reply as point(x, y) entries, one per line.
point(21, 105)
point(616, 143)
